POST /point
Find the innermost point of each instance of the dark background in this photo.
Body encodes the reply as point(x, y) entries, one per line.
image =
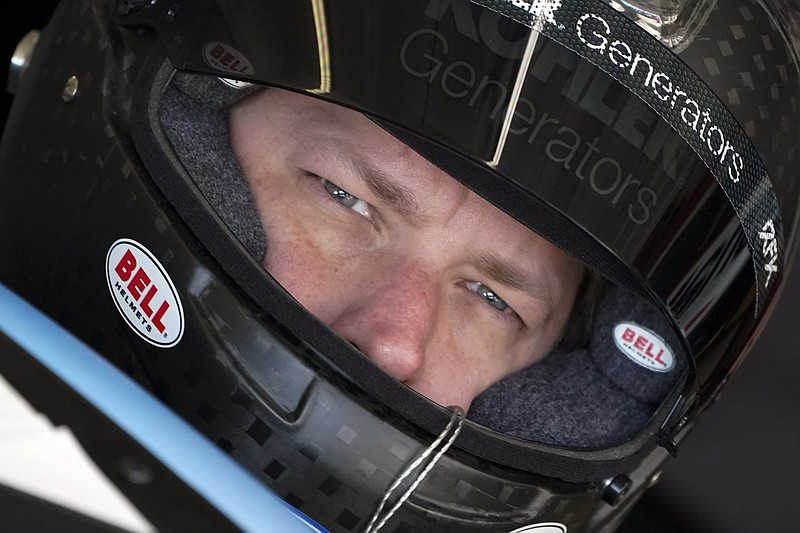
point(739, 471)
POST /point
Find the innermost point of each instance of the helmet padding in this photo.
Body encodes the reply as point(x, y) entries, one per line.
point(194, 116)
point(589, 397)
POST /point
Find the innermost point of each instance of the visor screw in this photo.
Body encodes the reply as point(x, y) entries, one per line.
point(70, 89)
point(616, 488)
point(172, 12)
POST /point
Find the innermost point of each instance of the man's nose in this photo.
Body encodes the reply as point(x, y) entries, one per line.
point(392, 322)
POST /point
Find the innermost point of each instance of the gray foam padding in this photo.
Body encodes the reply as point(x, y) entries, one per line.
point(591, 397)
point(194, 117)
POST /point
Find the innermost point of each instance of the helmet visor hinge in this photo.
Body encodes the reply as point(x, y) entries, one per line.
point(672, 425)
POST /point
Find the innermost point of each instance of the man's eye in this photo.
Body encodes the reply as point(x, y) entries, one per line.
point(489, 296)
point(345, 198)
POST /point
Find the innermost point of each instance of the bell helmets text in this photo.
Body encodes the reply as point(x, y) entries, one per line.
point(643, 347)
point(144, 294)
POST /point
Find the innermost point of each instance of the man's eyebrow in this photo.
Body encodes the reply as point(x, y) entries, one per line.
point(380, 184)
point(385, 188)
point(495, 268)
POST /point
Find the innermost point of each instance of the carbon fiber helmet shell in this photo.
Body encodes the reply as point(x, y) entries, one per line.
point(274, 387)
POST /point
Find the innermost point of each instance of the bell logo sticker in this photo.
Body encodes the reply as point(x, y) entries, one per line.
point(226, 58)
point(550, 527)
point(144, 294)
point(643, 347)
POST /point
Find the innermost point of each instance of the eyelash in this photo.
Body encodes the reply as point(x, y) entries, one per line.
point(345, 198)
point(490, 297)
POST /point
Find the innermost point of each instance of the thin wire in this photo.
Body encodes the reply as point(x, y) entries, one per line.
point(533, 36)
point(457, 418)
point(323, 47)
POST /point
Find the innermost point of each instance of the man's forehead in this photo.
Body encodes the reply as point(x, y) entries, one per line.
point(397, 174)
point(392, 170)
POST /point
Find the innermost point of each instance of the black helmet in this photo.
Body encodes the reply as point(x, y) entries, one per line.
point(651, 140)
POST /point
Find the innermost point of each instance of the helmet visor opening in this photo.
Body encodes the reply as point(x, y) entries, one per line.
point(440, 289)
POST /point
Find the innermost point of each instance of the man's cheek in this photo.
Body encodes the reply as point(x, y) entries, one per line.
point(302, 284)
point(471, 345)
point(309, 276)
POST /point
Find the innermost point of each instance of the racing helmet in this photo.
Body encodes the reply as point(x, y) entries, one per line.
point(651, 140)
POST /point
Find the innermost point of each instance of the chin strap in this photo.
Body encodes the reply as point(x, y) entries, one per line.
point(445, 439)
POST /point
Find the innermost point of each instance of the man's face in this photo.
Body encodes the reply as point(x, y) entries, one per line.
point(440, 289)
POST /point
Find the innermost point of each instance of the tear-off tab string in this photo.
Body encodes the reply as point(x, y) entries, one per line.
point(445, 439)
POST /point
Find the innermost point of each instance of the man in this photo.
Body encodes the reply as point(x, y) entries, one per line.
point(670, 176)
point(442, 290)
